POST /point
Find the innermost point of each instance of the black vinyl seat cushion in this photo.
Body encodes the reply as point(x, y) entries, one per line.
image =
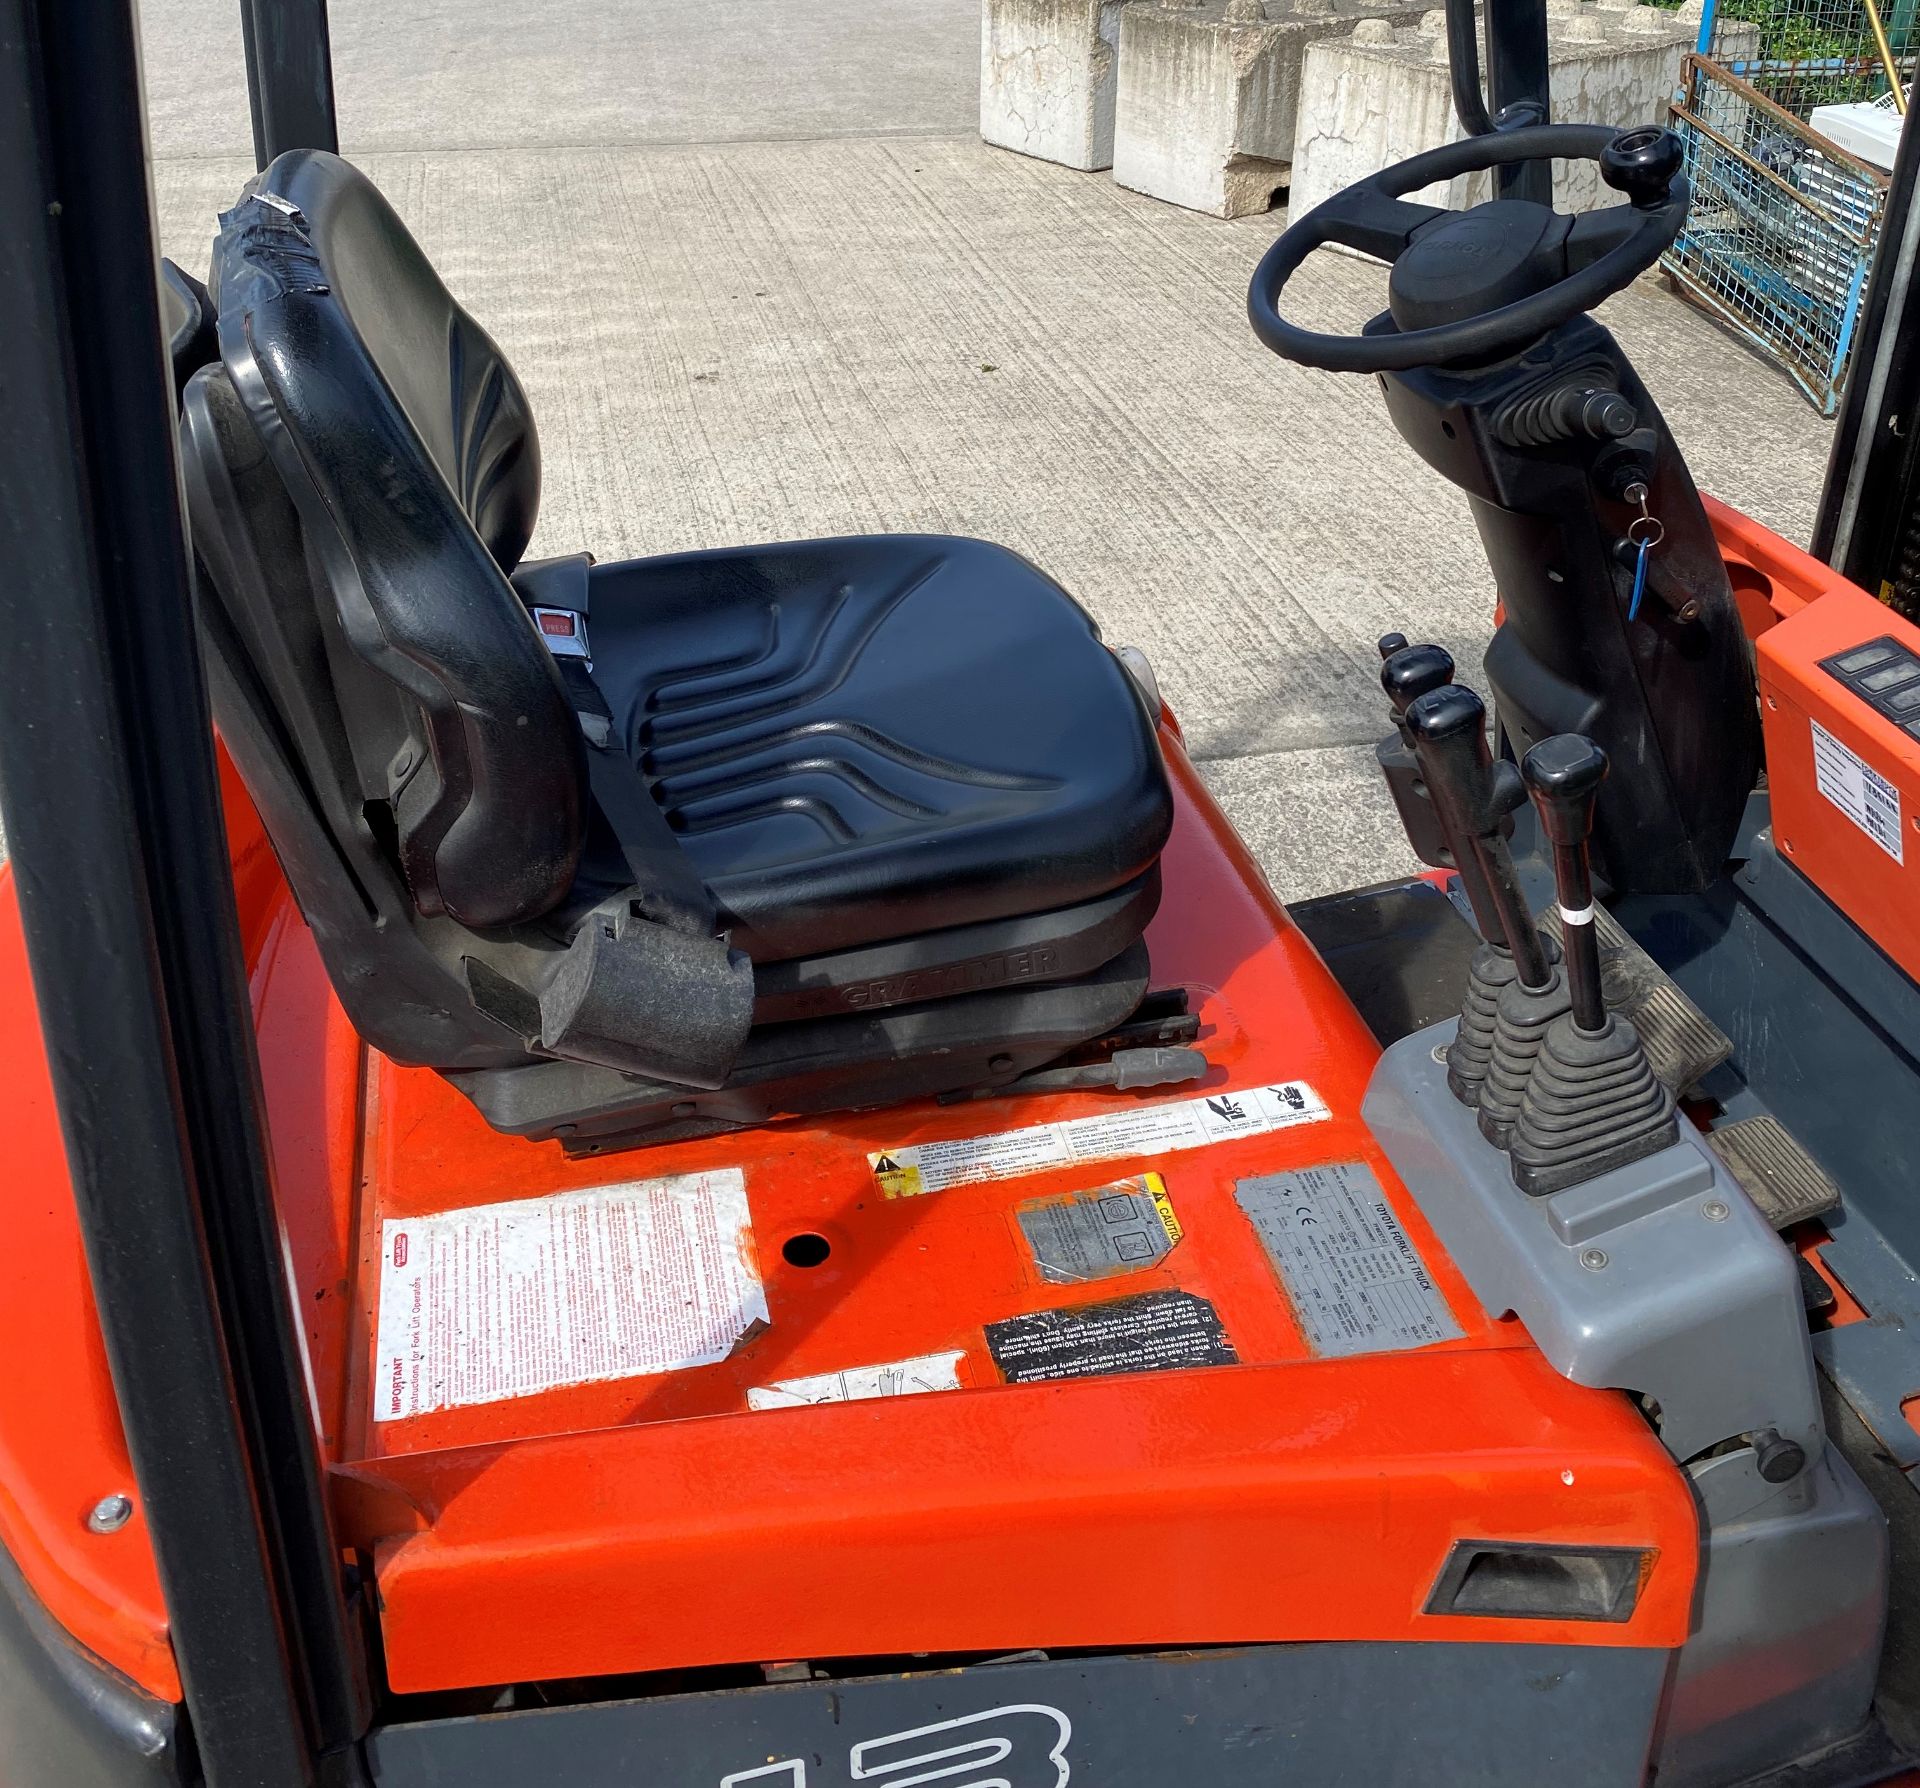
point(864, 739)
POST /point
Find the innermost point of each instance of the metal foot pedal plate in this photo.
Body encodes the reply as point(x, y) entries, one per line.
point(1787, 1183)
point(1682, 1042)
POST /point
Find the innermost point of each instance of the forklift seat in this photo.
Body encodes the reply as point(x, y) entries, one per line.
point(651, 847)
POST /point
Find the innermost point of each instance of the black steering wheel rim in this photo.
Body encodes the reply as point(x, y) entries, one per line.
point(1508, 327)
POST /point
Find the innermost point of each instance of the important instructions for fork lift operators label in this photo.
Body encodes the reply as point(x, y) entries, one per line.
point(1139, 1130)
point(1356, 1282)
point(503, 1300)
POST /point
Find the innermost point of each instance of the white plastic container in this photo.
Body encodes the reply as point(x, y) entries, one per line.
point(1868, 128)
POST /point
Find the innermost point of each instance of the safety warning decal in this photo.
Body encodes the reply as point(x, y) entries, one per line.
point(897, 1378)
point(1859, 790)
point(503, 1300)
point(1159, 1331)
point(1356, 1282)
point(1120, 1228)
point(1138, 1130)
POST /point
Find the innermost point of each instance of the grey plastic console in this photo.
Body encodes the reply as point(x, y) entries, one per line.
point(1659, 1278)
point(1662, 1279)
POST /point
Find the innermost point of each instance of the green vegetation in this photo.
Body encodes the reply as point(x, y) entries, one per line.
point(1820, 52)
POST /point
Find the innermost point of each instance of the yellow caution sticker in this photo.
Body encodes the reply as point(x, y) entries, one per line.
point(1156, 1189)
point(896, 1178)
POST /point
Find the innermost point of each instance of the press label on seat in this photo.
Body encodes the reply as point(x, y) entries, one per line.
point(1858, 790)
point(562, 631)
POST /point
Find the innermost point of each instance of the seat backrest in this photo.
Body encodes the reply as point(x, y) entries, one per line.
point(361, 475)
point(414, 690)
point(186, 317)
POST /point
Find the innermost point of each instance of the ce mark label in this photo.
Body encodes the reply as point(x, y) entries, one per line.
point(1022, 1746)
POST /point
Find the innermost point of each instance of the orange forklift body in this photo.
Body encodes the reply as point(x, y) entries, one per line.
point(640, 1523)
point(1840, 700)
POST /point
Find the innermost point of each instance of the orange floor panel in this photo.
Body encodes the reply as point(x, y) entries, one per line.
point(1187, 1455)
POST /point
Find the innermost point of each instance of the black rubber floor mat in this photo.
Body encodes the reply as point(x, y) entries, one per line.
point(1787, 1183)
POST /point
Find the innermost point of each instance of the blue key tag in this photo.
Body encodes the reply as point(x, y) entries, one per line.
point(1646, 532)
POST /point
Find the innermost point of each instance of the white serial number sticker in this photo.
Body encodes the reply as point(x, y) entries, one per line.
point(1859, 791)
point(1144, 1130)
point(897, 1378)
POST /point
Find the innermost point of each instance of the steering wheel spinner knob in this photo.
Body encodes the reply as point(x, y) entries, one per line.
point(1642, 163)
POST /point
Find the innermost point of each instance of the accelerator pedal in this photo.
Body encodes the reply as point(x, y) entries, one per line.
point(1787, 1183)
point(1681, 1041)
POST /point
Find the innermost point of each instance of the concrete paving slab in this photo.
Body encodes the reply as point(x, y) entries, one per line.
point(1317, 821)
point(462, 74)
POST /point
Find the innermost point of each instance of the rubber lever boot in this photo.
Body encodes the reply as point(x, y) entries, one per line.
point(1448, 730)
point(1406, 674)
point(1408, 671)
point(1593, 1101)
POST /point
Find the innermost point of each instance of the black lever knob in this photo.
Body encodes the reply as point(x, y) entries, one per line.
point(1406, 672)
point(1563, 775)
point(1642, 164)
point(1412, 670)
point(1448, 729)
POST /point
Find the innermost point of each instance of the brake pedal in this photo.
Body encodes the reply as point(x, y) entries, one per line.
point(1682, 1042)
point(1783, 1180)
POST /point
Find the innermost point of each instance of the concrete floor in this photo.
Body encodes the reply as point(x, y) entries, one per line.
point(762, 281)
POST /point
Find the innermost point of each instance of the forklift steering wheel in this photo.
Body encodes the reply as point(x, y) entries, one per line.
point(1471, 285)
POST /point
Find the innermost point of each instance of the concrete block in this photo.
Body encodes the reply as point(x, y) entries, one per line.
point(1380, 95)
point(1209, 93)
point(1047, 78)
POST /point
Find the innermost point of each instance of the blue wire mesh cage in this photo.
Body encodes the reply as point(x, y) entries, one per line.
point(1782, 228)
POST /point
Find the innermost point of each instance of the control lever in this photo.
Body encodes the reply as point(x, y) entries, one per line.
point(1433, 829)
point(1592, 1101)
point(1408, 671)
point(1448, 727)
point(1474, 797)
point(1563, 775)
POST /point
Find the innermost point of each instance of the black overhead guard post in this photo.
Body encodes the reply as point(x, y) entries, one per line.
point(108, 784)
point(289, 76)
point(1868, 528)
point(1517, 90)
